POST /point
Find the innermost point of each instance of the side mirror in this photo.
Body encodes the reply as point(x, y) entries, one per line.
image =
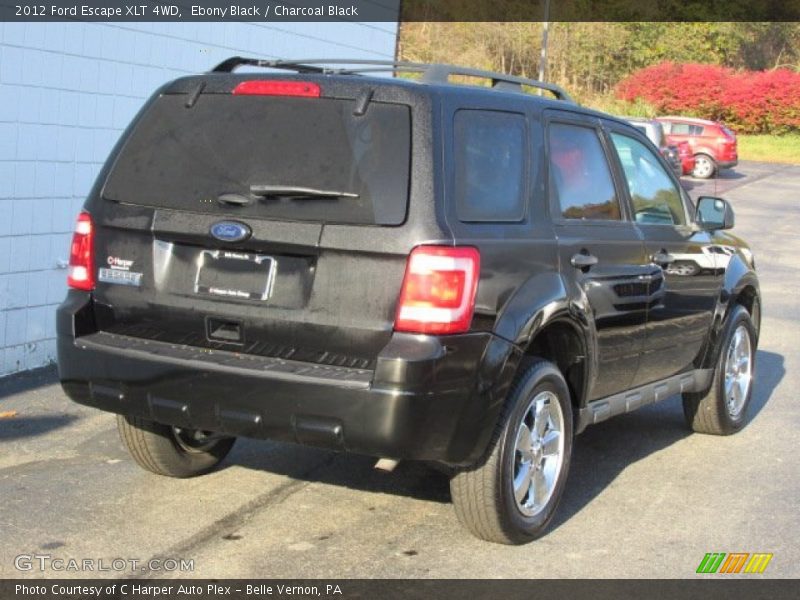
point(714, 213)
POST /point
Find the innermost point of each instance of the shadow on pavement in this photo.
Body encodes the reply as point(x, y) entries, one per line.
point(603, 451)
point(410, 479)
point(27, 381)
point(769, 373)
point(22, 427)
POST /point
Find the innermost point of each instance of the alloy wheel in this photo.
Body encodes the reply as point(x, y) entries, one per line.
point(538, 453)
point(738, 371)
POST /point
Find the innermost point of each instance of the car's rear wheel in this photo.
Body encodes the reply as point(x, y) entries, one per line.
point(172, 451)
point(704, 166)
point(511, 496)
point(722, 410)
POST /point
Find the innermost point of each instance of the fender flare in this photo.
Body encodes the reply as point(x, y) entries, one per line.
point(738, 276)
point(544, 300)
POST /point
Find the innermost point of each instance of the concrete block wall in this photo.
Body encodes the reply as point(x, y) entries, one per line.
point(67, 90)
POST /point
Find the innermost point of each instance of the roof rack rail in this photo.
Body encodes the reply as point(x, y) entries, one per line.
point(431, 73)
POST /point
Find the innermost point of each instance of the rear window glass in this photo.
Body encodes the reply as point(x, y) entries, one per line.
point(186, 158)
point(490, 156)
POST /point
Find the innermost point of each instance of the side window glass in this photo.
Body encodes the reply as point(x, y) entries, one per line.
point(580, 178)
point(696, 130)
point(490, 155)
point(656, 198)
point(680, 129)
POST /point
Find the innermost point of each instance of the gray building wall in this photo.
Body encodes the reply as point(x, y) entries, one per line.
point(67, 90)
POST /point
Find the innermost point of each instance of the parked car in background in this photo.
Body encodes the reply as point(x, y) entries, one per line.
point(713, 145)
point(686, 156)
point(655, 133)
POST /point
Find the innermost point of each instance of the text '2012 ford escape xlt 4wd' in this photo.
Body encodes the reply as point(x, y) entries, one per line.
point(405, 269)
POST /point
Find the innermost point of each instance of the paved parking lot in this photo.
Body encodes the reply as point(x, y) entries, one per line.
point(645, 498)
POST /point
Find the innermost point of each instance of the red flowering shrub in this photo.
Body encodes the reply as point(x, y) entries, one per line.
point(747, 101)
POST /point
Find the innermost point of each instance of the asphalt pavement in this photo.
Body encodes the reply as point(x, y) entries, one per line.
point(645, 497)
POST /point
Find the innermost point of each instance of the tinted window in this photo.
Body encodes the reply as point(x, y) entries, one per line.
point(656, 198)
point(186, 158)
point(696, 130)
point(490, 155)
point(580, 179)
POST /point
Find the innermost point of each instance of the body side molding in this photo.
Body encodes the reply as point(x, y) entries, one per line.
point(624, 402)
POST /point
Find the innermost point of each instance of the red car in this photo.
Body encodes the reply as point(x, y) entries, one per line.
point(713, 145)
point(686, 156)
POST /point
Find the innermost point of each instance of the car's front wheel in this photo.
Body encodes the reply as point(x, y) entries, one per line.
point(511, 496)
point(722, 410)
point(172, 451)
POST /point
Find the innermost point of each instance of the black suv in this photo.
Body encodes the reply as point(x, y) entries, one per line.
point(407, 269)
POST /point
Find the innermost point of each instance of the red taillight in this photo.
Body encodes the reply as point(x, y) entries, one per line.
point(81, 255)
point(438, 294)
point(302, 89)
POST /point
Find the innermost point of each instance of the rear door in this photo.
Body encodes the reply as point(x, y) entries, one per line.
point(686, 270)
point(601, 252)
point(219, 207)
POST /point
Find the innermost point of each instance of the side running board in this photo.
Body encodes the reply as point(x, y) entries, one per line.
point(605, 408)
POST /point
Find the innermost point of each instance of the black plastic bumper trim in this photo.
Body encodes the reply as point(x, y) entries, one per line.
point(226, 361)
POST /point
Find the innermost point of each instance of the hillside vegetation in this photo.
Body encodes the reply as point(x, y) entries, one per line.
point(589, 59)
point(746, 74)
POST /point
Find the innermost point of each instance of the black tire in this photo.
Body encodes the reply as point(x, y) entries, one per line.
point(163, 450)
point(710, 412)
point(705, 167)
point(483, 495)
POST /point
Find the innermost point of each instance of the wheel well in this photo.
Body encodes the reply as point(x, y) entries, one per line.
point(561, 344)
point(749, 299)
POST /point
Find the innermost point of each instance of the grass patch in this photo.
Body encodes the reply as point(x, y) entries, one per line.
point(770, 148)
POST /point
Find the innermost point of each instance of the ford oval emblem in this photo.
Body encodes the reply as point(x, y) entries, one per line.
point(230, 231)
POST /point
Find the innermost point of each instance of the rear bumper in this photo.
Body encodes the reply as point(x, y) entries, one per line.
point(427, 399)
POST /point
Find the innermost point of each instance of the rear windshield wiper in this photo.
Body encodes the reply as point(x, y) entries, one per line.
point(293, 191)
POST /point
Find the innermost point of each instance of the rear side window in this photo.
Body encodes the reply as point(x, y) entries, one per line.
point(186, 158)
point(679, 129)
point(580, 178)
point(655, 196)
point(490, 155)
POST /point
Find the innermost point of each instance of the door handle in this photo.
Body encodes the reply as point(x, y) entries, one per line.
point(583, 261)
point(663, 258)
